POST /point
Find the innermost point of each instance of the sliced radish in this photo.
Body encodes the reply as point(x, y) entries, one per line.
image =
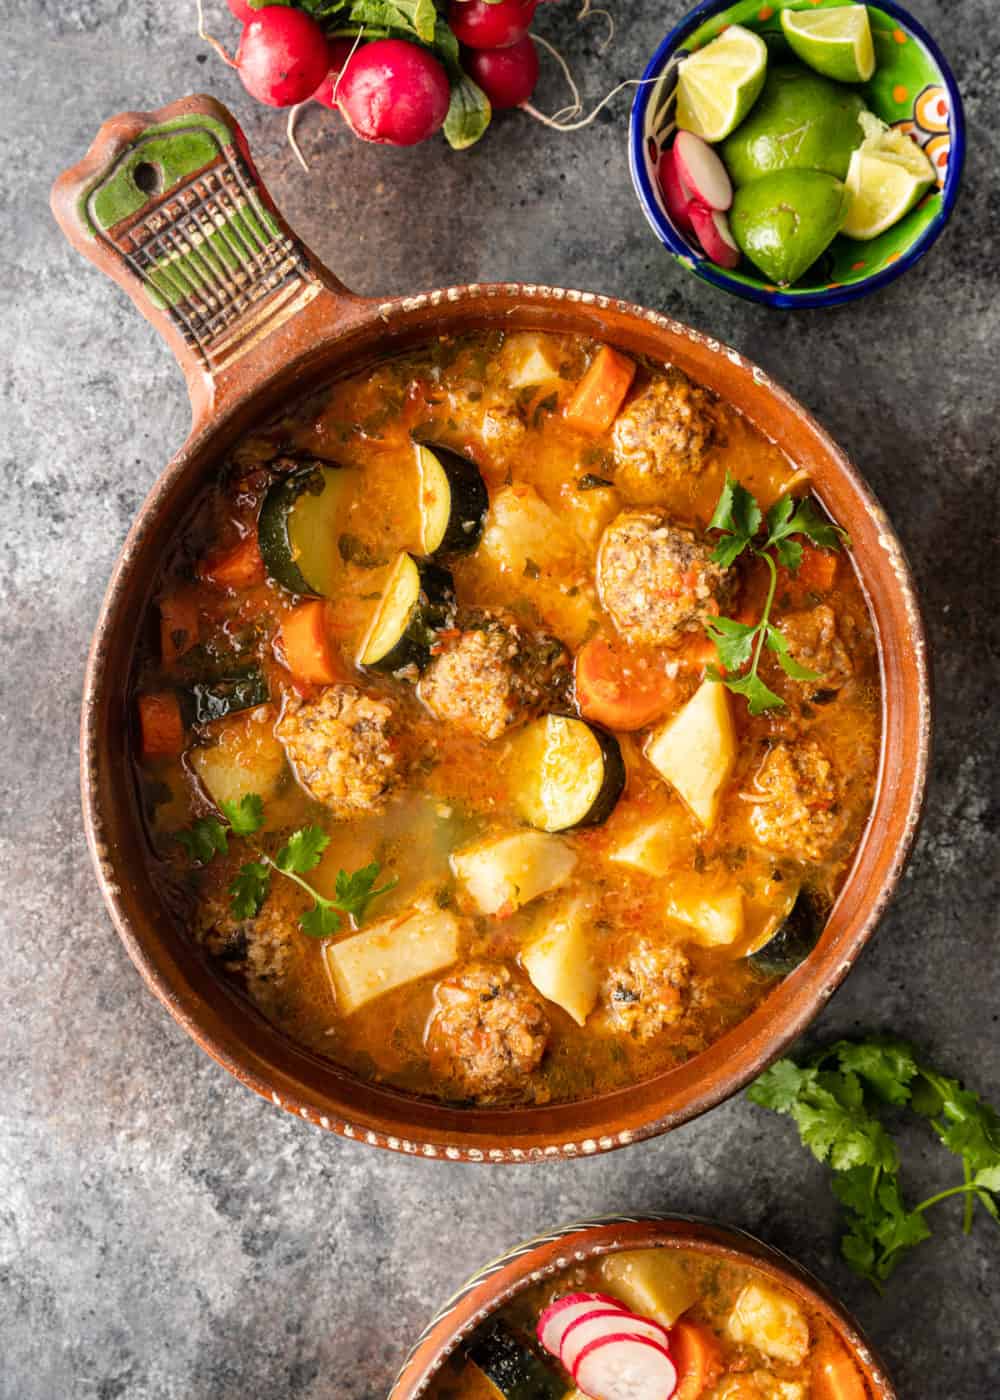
point(607, 1323)
point(624, 1367)
point(676, 194)
point(702, 171)
point(560, 1315)
point(713, 233)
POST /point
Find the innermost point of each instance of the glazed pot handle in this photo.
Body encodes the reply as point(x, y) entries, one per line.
point(170, 205)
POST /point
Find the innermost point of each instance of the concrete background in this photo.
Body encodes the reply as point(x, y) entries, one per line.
point(164, 1233)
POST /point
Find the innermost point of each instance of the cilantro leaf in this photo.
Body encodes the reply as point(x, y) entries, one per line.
point(806, 520)
point(729, 549)
point(775, 641)
point(886, 1066)
point(759, 696)
point(736, 511)
point(249, 889)
point(989, 1177)
point(355, 892)
point(779, 1087)
point(321, 920)
point(733, 640)
point(245, 816)
point(203, 839)
point(303, 851)
point(789, 553)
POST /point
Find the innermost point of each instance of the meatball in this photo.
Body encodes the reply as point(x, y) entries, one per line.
point(259, 948)
point(488, 1033)
point(658, 581)
point(493, 676)
point(814, 642)
point(666, 431)
point(341, 747)
point(646, 991)
point(799, 813)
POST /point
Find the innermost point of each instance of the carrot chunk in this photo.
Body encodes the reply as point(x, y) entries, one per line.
point(240, 567)
point(817, 571)
point(179, 625)
point(697, 1357)
point(834, 1374)
point(601, 392)
point(309, 653)
point(612, 689)
point(160, 725)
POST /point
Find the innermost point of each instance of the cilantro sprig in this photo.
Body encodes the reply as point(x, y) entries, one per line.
point(740, 645)
point(302, 852)
point(834, 1100)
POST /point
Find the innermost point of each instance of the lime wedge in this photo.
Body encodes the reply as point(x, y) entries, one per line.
point(836, 43)
point(717, 86)
point(887, 176)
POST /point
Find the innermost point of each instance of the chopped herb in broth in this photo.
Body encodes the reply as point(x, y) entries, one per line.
point(451, 612)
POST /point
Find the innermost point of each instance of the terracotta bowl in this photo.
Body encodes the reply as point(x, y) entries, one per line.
point(169, 204)
point(543, 1258)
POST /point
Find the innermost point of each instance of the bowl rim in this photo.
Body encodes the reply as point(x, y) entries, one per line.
point(717, 276)
point(263, 1058)
point(544, 1256)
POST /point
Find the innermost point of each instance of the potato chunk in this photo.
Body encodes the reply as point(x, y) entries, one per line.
point(653, 1282)
point(658, 845)
point(770, 1320)
point(243, 757)
point(713, 912)
point(389, 954)
point(502, 873)
point(560, 963)
point(695, 750)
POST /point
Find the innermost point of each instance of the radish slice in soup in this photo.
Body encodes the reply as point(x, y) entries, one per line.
point(702, 171)
point(676, 194)
point(594, 1327)
point(624, 1367)
point(713, 233)
point(560, 1315)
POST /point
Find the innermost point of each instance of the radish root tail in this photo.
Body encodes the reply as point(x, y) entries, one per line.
point(293, 116)
point(208, 39)
point(556, 124)
point(576, 106)
point(588, 12)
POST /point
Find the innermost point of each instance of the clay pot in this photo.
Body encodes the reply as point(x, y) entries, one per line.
point(168, 204)
point(548, 1255)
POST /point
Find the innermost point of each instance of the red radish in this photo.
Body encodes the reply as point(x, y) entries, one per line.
point(507, 76)
point(623, 1367)
point(282, 57)
point(242, 10)
point(702, 171)
point(490, 24)
point(394, 92)
point(713, 233)
point(676, 194)
point(607, 1323)
point(340, 52)
point(560, 1315)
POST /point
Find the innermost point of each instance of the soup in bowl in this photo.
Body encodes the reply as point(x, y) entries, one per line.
point(507, 719)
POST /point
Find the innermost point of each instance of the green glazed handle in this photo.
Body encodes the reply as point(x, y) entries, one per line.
point(170, 205)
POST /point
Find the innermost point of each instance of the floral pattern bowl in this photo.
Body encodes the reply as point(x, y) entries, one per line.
point(912, 88)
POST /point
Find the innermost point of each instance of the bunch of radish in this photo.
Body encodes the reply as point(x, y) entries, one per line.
point(697, 192)
point(451, 70)
point(611, 1353)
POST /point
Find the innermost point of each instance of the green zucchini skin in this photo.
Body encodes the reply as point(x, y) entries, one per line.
point(210, 700)
point(468, 503)
point(433, 611)
point(793, 940)
point(511, 1367)
point(567, 813)
point(273, 523)
point(614, 779)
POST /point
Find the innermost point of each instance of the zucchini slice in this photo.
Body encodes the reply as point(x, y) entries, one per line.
point(297, 528)
point(790, 938)
point(453, 501)
point(210, 700)
point(565, 773)
point(418, 599)
point(511, 1367)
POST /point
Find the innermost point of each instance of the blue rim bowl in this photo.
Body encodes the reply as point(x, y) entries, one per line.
point(644, 149)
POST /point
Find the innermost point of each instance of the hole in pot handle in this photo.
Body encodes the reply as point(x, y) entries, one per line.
point(170, 205)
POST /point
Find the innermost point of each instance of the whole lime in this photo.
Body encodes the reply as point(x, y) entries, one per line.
point(801, 121)
point(782, 222)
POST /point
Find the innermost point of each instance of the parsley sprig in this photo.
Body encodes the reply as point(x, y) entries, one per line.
point(302, 852)
point(834, 1099)
point(741, 644)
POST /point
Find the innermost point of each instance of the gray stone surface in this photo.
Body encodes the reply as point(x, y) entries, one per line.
point(164, 1233)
